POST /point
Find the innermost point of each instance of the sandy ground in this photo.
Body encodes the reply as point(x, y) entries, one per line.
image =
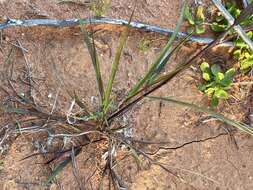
point(212, 164)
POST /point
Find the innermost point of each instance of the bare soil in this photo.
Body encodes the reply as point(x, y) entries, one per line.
point(59, 55)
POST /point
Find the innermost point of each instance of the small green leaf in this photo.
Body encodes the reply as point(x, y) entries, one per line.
point(204, 67)
point(199, 21)
point(219, 18)
point(219, 76)
point(215, 69)
point(226, 82)
point(200, 17)
point(209, 91)
point(246, 64)
point(216, 27)
point(229, 74)
point(214, 101)
point(220, 93)
point(188, 15)
point(237, 53)
point(211, 84)
point(241, 44)
point(247, 22)
point(200, 29)
point(206, 76)
point(247, 55)
point(235, 11)
point(250, 34)
point(202, 87)
point(58, 169)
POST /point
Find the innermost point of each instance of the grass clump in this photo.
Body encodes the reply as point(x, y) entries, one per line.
point(100, 126)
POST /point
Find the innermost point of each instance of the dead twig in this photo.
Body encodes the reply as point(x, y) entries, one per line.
point(76, 2)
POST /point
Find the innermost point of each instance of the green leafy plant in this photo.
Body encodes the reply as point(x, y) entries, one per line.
point(196, 20)
point(220, 23)
point(243, 53)
point(216, 82)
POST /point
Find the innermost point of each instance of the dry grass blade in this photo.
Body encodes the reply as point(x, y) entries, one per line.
point(115, 64)
point(162, 58)
point(93, 54)
point(81, 104)
point(241, 126)
point(8, 63)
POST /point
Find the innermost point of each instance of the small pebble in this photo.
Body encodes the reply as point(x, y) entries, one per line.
point(50, 95)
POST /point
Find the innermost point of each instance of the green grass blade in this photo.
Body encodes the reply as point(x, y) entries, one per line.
point(179, 68)
point(163, 80)
point(166, 59)
point(61, 166)
point(241, 126)
point(162, 58)
point(154, 80)
point(14, 110)
point(93, 54)
point(115, 64)
point(58, 169)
